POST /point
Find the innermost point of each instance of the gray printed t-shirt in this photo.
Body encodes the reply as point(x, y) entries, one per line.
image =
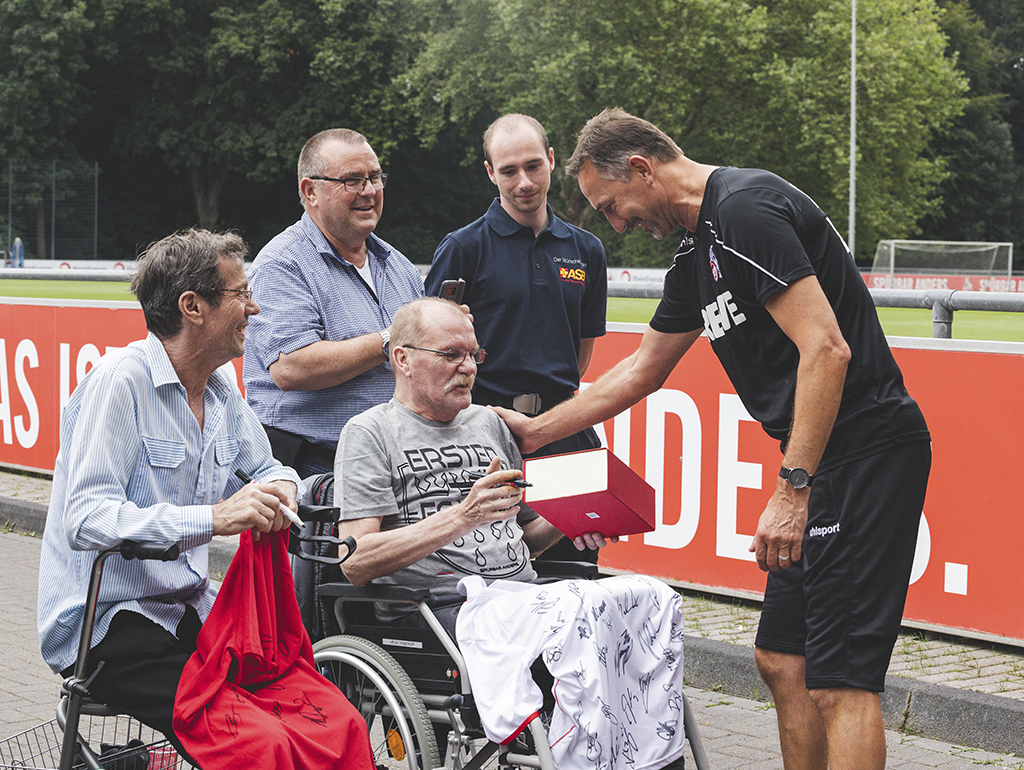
point(394, 465)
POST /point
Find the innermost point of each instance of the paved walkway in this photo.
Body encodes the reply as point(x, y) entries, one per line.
point(737, 732)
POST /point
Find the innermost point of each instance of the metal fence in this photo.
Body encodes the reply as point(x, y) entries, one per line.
point(52, 206)
point(941, 302)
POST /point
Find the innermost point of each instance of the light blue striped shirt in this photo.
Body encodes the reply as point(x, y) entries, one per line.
point(306, 294)
point(134, 464)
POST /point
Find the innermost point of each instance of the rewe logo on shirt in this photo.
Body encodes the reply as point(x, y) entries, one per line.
point(721, 315)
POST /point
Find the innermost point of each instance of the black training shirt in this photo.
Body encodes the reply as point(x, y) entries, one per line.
point(758, 234)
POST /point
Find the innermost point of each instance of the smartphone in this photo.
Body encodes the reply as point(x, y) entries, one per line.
point(453, 290)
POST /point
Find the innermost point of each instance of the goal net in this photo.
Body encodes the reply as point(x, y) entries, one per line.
point(952, 257)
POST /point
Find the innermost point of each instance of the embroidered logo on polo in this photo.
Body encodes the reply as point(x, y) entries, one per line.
point(572, 275)
point(721, 315)
point(716, 271)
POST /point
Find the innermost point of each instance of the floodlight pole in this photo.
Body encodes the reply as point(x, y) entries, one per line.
point(852, 238)
point(53, 214)
point(10, 202)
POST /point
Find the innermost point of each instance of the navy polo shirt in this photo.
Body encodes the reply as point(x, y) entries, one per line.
point(533, 299)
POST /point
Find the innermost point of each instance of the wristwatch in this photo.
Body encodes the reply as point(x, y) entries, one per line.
point(798, 478)
point(385, 337)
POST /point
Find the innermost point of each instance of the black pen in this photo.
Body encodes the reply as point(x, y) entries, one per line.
point(289, 514)
point(518, 483)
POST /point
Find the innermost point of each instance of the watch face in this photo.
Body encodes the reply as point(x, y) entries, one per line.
point(799, 478)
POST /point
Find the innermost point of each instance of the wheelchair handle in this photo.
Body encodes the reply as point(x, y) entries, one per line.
point(159, 551)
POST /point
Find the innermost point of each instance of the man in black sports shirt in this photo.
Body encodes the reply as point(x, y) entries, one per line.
point(763, 272)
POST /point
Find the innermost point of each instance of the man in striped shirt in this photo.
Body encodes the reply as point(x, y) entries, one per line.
point(318, 354)
point(150, 443)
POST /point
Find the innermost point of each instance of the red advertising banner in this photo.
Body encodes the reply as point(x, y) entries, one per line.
point(46, 347)
point(714, 470)
point(712, 467)
point(924, 282)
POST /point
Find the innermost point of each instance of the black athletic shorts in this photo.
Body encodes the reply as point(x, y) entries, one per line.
point(841, 605)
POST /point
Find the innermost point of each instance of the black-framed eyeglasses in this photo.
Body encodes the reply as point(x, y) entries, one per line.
point(356, 184)
point(456, 355)
point(244, 294)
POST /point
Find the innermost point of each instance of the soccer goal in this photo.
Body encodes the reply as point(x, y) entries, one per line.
point(950, 257)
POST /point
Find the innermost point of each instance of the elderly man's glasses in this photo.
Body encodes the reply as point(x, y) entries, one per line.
point(456, 355)
point(356, 184)
point(243, 294)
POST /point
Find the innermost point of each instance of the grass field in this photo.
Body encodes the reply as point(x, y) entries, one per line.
point(106, 291)
point(967, 324)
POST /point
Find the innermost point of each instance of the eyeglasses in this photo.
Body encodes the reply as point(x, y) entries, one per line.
point(456, 355)
point(356, 184)
point(244, 294)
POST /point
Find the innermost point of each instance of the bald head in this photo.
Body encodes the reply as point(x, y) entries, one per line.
point(511, 124)
point(426, 382)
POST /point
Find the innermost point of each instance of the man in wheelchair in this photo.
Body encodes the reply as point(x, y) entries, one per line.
point(426, 485)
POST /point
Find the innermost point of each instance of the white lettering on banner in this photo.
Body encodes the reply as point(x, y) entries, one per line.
point(660, 404)
point(64, 375)
point(721, 315)
point(5, 395)
point(26, 436)
point(733, 474)
point(24, 426)
point(88, 355)
point(923, 552)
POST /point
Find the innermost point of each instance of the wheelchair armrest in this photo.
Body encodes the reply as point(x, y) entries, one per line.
point(319, 513)
point(160, 551)
point(565, 569)
point(375, 593)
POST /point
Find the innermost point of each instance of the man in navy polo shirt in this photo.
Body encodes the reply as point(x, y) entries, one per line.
point(327, 287)
point(536, 285)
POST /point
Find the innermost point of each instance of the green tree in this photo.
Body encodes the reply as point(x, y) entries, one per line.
point(1004, 20)
point(977, 195)
point(42, 43)
point(740, 82)
point(41, 56)
point(213, 88)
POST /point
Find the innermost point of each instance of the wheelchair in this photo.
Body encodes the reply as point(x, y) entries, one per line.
point(411, 685)
point(85, 732)
point(89, 734)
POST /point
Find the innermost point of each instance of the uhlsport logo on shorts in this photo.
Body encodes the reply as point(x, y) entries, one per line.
point(823, 531)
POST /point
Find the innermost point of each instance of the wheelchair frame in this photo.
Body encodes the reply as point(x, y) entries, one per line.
point(81, 723)
point(67, 742)
point(400, 717)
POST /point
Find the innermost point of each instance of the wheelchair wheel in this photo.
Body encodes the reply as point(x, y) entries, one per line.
point(400, 730)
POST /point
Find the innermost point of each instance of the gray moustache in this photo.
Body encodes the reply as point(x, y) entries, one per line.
point(459, 382)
